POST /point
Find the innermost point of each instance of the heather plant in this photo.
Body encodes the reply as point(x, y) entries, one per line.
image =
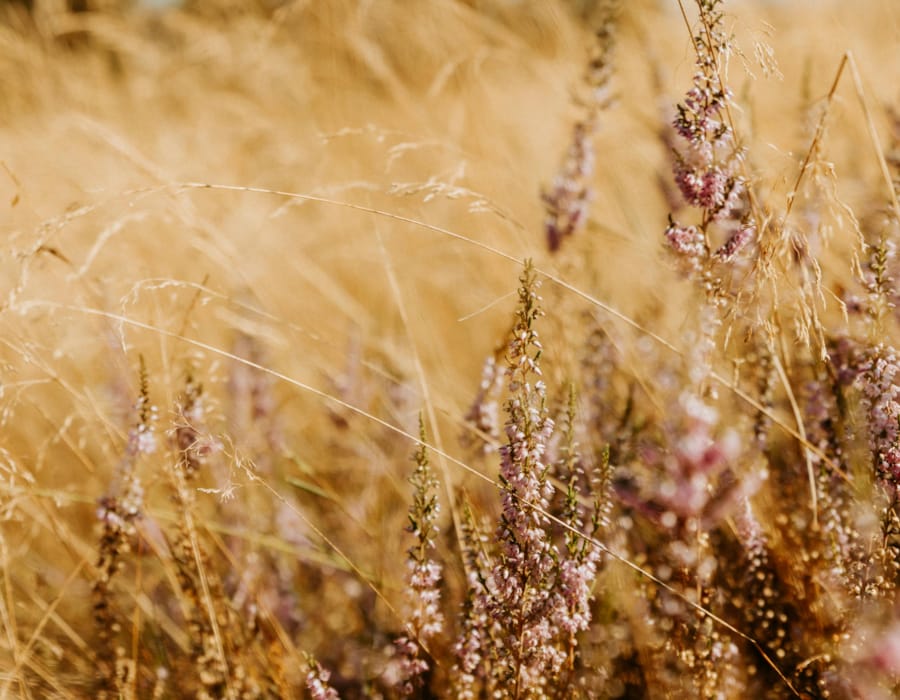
point(529, 600)
point(118, 514)
point(426, 621)
point(707, 167)
point(567, 202)
point(483, 417)
point(255, 255)
point(317, 682)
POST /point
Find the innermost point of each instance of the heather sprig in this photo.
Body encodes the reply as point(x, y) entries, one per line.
point(842, 546)
point(425, 573)
point(706, 167)
point(570, 471)
point(879, 283)
point(473, 645)
point(317, 681)
point(190, 559)
point(583, 524)
point(578, 567)
point(484, 413)
point(220, 641)
point(528, 601)
point(759, 597)
point(871, 370)
point(423, 576)
point(118, 514)
point(881, 400)
point(567, 202)
point(520, 585)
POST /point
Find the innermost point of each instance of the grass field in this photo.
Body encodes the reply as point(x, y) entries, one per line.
point(461, 348)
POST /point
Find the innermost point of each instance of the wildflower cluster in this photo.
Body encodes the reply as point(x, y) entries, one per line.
point(706, 167)
point(520, 586)
point(527, 606)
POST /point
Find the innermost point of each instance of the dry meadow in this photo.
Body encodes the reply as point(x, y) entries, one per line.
point(449, 349)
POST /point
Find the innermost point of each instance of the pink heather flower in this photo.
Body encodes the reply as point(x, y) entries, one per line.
point(520, 588)
point(476, 626)
point(750, 531)
point(484, 414)
point(423, 582)
point(524, 609)
point(576, 575)
point(424, 576)
point(878, 277)
point(567, 201)
point(847, 358)
point(881, 398)
point(688, 243)
point(424, 597)
point(736, 243)
point(707, 185)
point(886, 652)
point(118, 512)
point(141, 441)
point(473, 639)
point(517, 592)
point(194, 447)
point(875, 660)
point(697, 459)
point(705, 168)
point(405, 671)
point(317, 683)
